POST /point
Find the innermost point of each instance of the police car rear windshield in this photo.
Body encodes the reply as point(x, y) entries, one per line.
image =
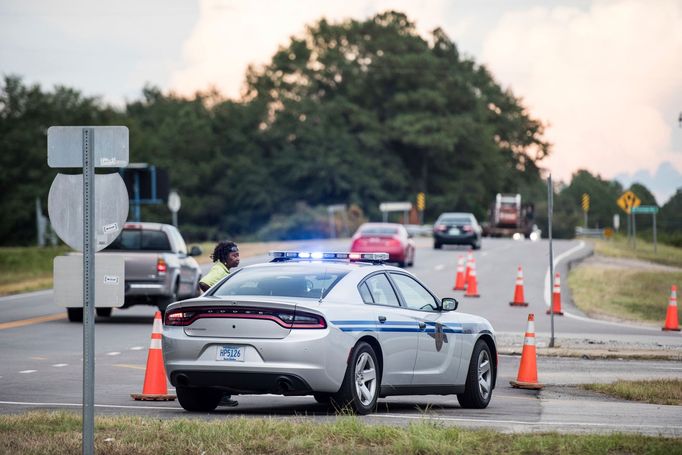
point(282, 281)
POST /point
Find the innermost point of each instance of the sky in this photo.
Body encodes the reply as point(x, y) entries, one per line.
point(604, 75)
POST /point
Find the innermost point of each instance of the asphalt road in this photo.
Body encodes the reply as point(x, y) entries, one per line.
point(41, 355)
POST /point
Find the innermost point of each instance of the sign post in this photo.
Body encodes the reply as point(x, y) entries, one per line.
point(550, 211)
point(174, 205)
point(421, 205)
point(87, 148)
point(586, 206)
point(644, 209)
point(627, 201)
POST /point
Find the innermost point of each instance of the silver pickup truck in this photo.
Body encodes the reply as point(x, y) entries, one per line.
point(158, 268)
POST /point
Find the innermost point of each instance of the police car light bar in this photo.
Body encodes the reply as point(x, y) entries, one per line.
point(317, 255)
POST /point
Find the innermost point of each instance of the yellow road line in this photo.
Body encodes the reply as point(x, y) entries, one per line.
point(37, 320)
point(127, 365)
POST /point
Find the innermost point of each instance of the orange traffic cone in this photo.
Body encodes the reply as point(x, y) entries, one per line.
point(155, 388)
point(472, 284)
point(518, 290)
point(459, 279)
point(467, 271)
point(527, 378)
point(556, 296)
point(671, 321)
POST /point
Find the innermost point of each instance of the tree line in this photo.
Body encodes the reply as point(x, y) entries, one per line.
point(354, 112)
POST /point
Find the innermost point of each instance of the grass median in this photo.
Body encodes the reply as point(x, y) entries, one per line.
point(60, 433)
point(24, 269)
point(619, 247)
point(629, 294)
point(656, 391)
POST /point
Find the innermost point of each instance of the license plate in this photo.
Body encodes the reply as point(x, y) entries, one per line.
point(454, 231)
point(230, 353)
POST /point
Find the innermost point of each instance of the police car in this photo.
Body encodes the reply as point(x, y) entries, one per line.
point(342, 327)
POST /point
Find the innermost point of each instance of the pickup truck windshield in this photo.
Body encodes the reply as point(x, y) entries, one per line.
point(140, 240)
point(284, 281)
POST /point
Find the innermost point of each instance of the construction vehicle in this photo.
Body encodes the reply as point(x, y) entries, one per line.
point(508, 216)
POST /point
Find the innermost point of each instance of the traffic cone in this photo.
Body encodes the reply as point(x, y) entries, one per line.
point(518, 290)
point(527, 378)
point(459, 279)
point(556, 296)
point(155, 388)
point(467, 271)
point(472, 285)
point(671, 321)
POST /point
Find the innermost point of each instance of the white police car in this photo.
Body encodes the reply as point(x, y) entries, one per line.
point(340, 326)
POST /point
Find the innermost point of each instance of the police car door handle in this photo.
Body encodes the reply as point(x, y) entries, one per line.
point(422, 325)
point(382, 319)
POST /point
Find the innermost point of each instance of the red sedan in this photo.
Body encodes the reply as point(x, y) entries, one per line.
point(391, 238)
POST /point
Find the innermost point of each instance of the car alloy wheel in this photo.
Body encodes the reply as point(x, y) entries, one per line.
point(365, 379)
point(485, 380)
point(478, 389)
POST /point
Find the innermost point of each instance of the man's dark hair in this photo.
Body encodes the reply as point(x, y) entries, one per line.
point(222, 250)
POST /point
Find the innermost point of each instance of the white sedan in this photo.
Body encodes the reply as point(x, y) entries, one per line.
point(342, 327)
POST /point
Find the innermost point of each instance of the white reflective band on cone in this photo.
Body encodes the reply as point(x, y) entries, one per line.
point(155, 344)
point(157, 327)
point(529, 341)
point(531, 327)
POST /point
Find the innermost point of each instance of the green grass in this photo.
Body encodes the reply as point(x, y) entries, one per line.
point(60, 433)
point(618, 247)
point(625, 294)
point(657, 391)
point(27, 268)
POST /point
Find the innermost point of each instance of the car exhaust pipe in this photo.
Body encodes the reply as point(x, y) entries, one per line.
point(182, 380)
point(284, 384)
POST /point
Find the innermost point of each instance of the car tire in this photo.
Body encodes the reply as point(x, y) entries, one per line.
point(360, 389)
point(75, 314)
point(199, 399)
point(103, 312)
point(479, 384)
point(401, 264)
point(437, 245)
point(476, 245)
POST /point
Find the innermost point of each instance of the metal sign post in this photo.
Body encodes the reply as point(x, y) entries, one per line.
point(88, 291)
point(550, 210)
point(79, 147)
point(644, 209)
point(174, 206)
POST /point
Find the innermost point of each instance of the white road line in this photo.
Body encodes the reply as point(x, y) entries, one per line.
point(439, 267)
point(27, 371)
point(558, 259)
point(114, 353)
point(22, 403)
point(518, 422)
point(25, 295)
point(136, 348)
point(60, 365)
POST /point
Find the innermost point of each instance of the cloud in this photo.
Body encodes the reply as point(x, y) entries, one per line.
point(602, 77)
point(229, 35)
point(663, 183)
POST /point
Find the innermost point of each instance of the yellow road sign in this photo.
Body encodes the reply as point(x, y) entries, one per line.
point(627, 201)
point(421, 201)
point(586, 202)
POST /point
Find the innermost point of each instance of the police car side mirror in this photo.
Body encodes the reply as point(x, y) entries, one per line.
point(449, 304)
point(195, 251)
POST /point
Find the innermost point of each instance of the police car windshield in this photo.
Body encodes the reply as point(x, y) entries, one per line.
point(282, 281)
